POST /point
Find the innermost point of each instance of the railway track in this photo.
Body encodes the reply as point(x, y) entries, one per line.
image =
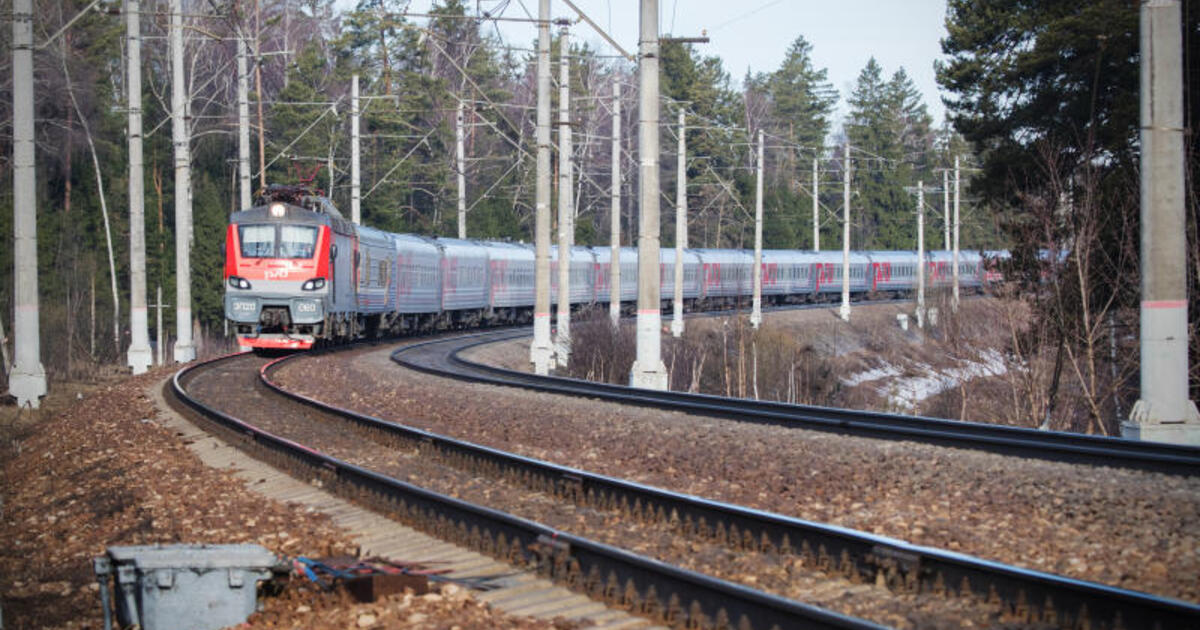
point(1019, 595)
point(442, 357)
point(623, 580)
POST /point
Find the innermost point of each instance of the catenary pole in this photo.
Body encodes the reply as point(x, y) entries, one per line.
point(844, 311)
point(680, 226)
point(614, 268)
point(27, 381)
point(258, 96)
point(920, 254)
point(139, 357)
point(1163, 411)
point(816, 203)
point(562, 336)
point(355, 153)
point(245, 182)
point(648, 369)
point(461, 160)
point(185, 349)
point(756, 300)
point(954, 258)
point(946, 209)
point(540, 351)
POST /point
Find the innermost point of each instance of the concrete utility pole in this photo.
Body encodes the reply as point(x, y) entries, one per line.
point(27, 381)
point(648, 369)
point(920, 254)
point(540, 351)
point(355, 153)
point(185, 349)
point(158, 329)
point(460, 154)
point(756, 301)
point(139, 356)
point(1163, 413)
point(954, 299)
point(566, 214)
point(844, 311)
point(614, 268)
point(946, 209)
point(243, 96)
point(680, 225)
point(258, 96)
point(816, 204)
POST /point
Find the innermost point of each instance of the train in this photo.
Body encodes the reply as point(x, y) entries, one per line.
point(298, 274)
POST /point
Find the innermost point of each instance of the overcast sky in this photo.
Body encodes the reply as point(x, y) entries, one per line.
point(754, 34)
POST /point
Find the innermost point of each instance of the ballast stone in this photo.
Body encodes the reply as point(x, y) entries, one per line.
point(184, 586)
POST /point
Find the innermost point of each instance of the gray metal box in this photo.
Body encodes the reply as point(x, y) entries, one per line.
point(184, 586)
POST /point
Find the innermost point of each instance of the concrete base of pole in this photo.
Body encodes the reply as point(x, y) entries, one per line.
point(755, 319)
point(541, 353)
point(677, 327)
point(844, 311)
point(140, 359)
point(27, 384)
point(1141, 426)
point(184, 353)
point(562, 351)
point(649, 376)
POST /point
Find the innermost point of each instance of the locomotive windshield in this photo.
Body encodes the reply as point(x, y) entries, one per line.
point(297, 241)
point(258, 241)
point(283, 241)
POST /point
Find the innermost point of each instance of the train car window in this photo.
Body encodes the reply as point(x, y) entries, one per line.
point(258, 241)
point(297, 241)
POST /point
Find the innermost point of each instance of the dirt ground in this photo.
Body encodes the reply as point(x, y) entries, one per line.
point(95, 468)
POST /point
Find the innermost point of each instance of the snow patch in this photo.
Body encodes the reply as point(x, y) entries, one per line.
point(873, 374)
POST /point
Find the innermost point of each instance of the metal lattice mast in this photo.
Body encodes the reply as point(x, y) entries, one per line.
point(540, 351)
point(139, 356)
point(648, 369)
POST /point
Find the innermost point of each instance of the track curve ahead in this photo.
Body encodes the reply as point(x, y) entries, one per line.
point(443, 357)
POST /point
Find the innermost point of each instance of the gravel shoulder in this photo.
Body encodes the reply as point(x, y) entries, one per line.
point(1125, 528)
point(101, 469)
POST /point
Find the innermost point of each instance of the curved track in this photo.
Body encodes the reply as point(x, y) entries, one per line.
point(661, 592)
point(1023, 594)
point(442, 357)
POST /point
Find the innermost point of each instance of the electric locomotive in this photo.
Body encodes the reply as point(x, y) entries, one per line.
point(289, 272)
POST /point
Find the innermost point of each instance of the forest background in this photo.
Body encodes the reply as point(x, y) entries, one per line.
point(1042, 113)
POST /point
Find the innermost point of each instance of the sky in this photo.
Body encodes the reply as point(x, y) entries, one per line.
point(755, 34)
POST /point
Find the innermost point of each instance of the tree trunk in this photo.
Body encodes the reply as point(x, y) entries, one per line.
point(112, 267)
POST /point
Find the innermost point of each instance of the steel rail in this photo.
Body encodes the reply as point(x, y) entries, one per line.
point(665, 593)
point(1019, 441)
point(1026, 593)
point(1023, 593)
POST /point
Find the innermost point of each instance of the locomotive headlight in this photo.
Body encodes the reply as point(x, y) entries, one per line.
point(314, 284)
point(278, 210)
point(237, 282)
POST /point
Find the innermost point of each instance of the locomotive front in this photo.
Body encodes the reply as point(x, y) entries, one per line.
point(279, 270)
